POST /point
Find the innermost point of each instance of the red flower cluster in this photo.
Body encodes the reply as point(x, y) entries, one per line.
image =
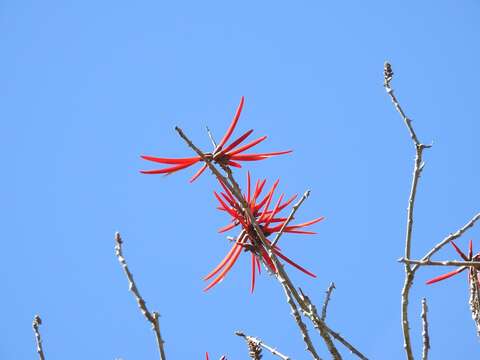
point(229, 155)
point(470, 257)
point(264, 210)
point(248, 240)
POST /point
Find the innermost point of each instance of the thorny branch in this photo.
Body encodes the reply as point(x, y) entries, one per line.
point(254, 340)
point(328, 294)
point(37, 321)
point(152, 317)
point(281, 275)
point(425, 336)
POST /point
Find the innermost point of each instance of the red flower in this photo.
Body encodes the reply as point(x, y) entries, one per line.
point(269, 222)
point(229, 155)
point(470, 257)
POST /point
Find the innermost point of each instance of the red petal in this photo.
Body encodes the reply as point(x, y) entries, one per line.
point(227, 227)
point(470, 249)
point(279, 254)
point(167, 170)
point(246, 146)
point(311, 222)
point(198, 173)
point(446, 276)
point(170, 160)
point(274, 211)
point(245, 157)
point(236, 142)
point(269, 196)
point(283, 206)
point(234, 164)
point(232, 125)
point(222, 263)
point(460, 252)
point(227, 268)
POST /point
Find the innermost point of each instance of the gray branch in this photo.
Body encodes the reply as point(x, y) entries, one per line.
point(37, 321)
point(328, 294)
point(425, 336)
point(152, 317)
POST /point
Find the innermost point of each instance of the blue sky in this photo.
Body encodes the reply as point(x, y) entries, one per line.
point(88, 86)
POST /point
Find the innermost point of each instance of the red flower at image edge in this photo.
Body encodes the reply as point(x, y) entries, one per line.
point(269, 222)
point(229, 155)
point(470, 257)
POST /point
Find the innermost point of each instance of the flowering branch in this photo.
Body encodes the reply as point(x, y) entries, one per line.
point(37, 321)
point(231, 184)
point(425, 336)
point(152, 317)
point(328, 294)
point(258, 342)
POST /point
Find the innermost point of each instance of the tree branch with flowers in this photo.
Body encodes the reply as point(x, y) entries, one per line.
point(259, 218)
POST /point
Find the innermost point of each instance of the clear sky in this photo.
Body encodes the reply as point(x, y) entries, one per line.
point(88, 86)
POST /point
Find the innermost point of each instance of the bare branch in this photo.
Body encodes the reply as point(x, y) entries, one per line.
point(440, 263)
point(37, 321)
point(425, 336)
point(328, 294)
point(417, 170)
point(152, 317)
point(251, 339)
point(290, 218)
point(450, 238)
point(301, 325)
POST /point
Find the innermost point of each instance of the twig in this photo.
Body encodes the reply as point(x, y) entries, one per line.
point(417, 170)
point(328, 294)
point(290, 218)
point(425, 336)
point(251, 339)
point(214, 143)
point(152, 317)
point(37, 321)
point(301, 325)
point(440, 263)
point(449, 238)
point(280, 275)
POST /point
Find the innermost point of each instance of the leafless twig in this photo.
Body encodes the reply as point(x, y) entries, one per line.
point(262, 344)
point(152, 317)
point(328, 294)
point(417, 170)
point(439, 263)
point(214, 143)
point(425, 336)
point(37, 321)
